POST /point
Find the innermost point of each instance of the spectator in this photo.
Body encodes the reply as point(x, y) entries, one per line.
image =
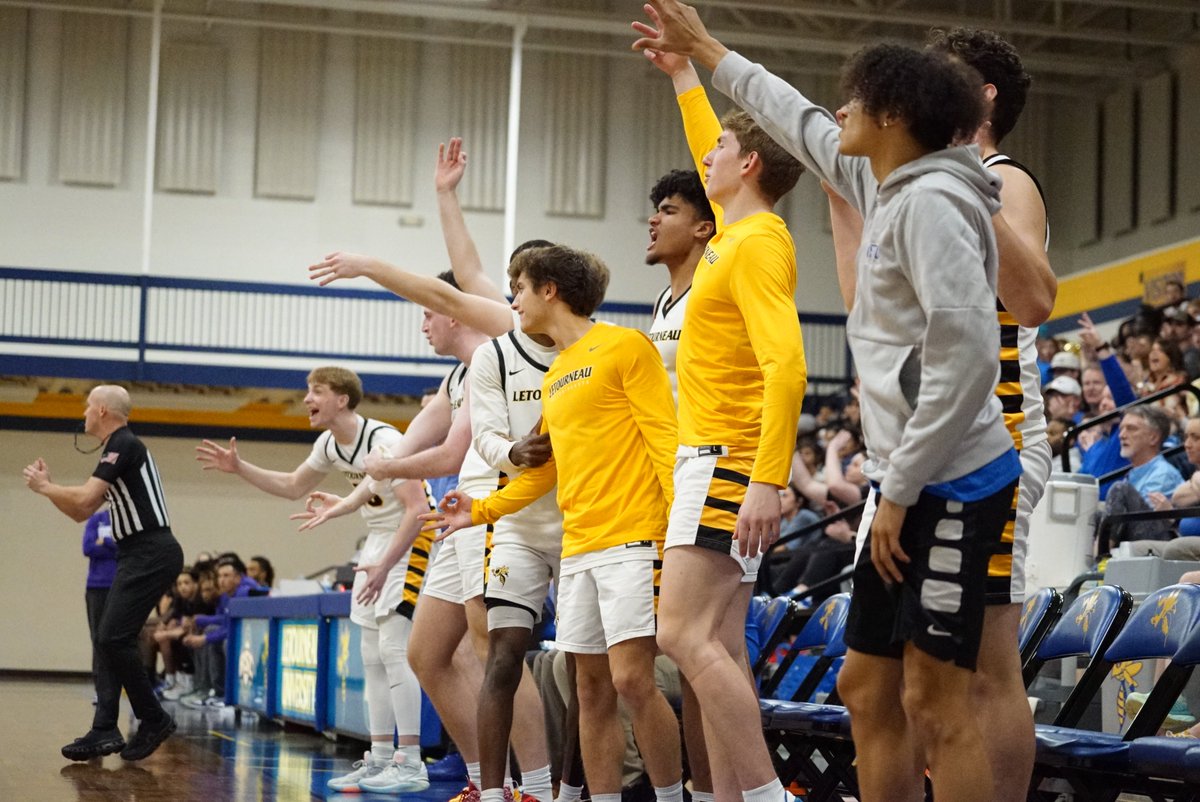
point(793, 515)
point(261, 571)
point(1047, 347)
point(101, 551)
point(1142, 432)
point(1176, 326)
point(1187, 545)
point(1174, 293)
point(185, 602)
point(1165, 367)
point(1062, 397)
point(1064, 363)
point(208, 632)
point(1093, 385)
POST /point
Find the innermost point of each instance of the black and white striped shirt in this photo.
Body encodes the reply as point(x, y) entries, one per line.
point(135, 496)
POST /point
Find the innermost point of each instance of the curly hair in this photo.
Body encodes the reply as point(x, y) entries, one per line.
point(581, 278)
point(999, 64)
point(936, 96)
point(688, 186)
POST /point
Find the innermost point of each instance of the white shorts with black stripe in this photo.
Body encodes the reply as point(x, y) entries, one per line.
point(710, 487)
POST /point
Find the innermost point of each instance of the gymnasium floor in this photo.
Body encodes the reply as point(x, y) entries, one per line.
point(209, 759)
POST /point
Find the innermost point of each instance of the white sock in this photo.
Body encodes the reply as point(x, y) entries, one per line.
point(703, 796)
point(492, 795)
point(671, 793)
point(771, 792)
point(473, 774)
point(382, 750)
point(569, 793)
point(606, 798)
point(537, 784)
point(410, 753)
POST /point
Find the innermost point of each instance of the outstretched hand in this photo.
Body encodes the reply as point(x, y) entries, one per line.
point(212, 456)
point(451, 164)
point(319, 507)
point(373, 587)
point(676, 28)
point(453, 514)
point(339, 265)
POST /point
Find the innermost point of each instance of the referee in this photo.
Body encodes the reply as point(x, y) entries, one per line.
point(148, 560)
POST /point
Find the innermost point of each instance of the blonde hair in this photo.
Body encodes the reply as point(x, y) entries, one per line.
point(341, 380)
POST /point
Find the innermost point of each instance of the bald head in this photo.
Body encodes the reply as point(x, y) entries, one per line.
point(113, 398)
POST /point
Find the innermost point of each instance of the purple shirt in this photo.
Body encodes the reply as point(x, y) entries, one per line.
point(101, 554)
point(219, 622)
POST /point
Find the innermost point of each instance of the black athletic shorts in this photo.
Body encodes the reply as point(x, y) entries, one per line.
point(940, 604)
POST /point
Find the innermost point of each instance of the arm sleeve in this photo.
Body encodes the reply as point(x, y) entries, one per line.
point(490, 429)
point(1118, 382)
point(218, 630)
point(702, 129)
point(318, 459)
point(943, 257)
point(516, 495)
point(653, 407)
point(765, 298)
point(119, 456)
point(91, 531)
point(804, 129)
point(205, 621)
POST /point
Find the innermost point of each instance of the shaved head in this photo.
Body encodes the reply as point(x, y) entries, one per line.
point(113, 398)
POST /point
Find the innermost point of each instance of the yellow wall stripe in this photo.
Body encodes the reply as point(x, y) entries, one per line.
point(1124, 280)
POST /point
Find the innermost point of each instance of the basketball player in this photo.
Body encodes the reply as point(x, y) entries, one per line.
point(741, 383)
point(919, 334)
point(388, 578)
point(148, 560)
point(1026, 288)
point(606, 385)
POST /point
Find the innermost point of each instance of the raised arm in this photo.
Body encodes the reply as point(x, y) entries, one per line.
point(441, 460)
point(483, 314)
point(847, 225)
point(294, 485)
point(1026, 283)
point(464, 256)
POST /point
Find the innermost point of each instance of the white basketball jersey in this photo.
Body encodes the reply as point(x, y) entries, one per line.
point(665, 329)
point(506, 405)
point(475, 478)
point(382, 510)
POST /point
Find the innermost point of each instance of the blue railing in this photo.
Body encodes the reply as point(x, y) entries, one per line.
point(253, 334)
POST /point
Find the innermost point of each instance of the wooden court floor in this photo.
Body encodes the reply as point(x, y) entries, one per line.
point(212, 757)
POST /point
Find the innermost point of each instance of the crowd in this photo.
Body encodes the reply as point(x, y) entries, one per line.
point(644, 478)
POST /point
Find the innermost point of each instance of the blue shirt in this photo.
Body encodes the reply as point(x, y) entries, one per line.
point(981, 482)
point(1156, 476)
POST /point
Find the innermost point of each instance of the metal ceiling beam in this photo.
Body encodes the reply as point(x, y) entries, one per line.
point(928, 20)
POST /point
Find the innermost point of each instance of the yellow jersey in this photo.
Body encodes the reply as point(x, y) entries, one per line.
point(607, 404)
point(741, 368)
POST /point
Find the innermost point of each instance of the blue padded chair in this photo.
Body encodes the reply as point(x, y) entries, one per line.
point(823, 631)
point(1097, 764)
point(1038, 615)
point(797, 731)
point(1086, 629)
point(780, 620)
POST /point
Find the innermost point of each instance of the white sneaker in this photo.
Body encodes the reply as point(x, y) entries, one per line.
point(181, 688)
point(197, 699)
point(398, 777)
point(363, 769)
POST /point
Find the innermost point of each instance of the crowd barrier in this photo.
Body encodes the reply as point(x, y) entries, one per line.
point(297, 659)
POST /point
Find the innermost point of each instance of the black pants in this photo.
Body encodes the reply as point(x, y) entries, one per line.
point(147, 565)
point(95, 599)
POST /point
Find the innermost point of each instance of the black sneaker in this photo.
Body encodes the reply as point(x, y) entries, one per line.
point(148, 738)
point(97, 743)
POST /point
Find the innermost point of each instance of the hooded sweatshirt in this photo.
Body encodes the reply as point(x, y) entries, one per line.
point(923, 327)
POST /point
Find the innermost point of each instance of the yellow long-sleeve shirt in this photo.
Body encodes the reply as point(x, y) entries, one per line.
point(741, 367)
point(607, 404)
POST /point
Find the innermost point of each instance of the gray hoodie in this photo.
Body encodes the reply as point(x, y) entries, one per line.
point(923, 328)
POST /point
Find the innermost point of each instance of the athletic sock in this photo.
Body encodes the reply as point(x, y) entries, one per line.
point(703, 796)
point(569, 793)
point(671, 793)
point(382, 750)
point(473, 774)
point(537, 784)
point(411, 753)
point(492, 795)
point(771, 792)
point(606, 798)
